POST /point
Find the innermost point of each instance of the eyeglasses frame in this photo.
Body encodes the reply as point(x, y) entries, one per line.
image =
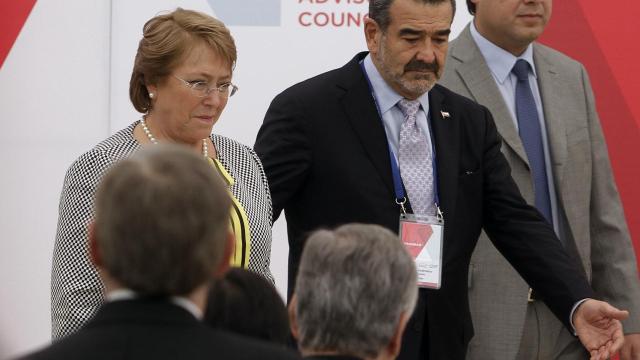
point(229, 88)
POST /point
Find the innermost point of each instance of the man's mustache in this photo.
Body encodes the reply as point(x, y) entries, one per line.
point(417, 65)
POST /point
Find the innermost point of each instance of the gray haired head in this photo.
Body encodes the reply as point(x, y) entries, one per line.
point(379, 10)
point(352, 287)
point(162, 221)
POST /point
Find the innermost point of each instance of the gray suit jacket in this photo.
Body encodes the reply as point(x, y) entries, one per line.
point(592, 221)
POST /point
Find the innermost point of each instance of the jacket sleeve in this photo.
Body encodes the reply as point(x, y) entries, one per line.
point(283, 146)
point(524, 238)
point(613, 263)
point(76, 288)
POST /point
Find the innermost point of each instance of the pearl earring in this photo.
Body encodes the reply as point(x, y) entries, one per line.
point(151, 95)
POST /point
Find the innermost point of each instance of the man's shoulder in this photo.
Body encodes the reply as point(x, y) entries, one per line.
point(191, 342)
point(241, 347)
point(461, 38)
point(554, 57)
point(328, 82)
point(452, 98)
point(222, 344)
point(468, 113)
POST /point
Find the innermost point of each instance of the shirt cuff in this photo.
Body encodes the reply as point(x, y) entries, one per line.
point(573, 310)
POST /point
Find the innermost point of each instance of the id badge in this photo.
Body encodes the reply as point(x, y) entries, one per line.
point(422, 236)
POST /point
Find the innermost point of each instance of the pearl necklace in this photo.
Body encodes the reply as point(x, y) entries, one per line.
point(205, 147)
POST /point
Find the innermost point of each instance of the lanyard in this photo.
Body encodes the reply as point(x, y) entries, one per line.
point(401, 198)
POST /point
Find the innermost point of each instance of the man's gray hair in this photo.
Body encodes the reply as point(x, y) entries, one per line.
point(379, 10)
point(352, 286)
point(162, 221)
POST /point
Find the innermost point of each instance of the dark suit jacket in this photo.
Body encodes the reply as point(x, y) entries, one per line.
point(154, 329)
point(331, 357)
point(324, 149)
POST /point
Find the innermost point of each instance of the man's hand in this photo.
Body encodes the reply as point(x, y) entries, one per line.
point(631, 348)
point(599, 328)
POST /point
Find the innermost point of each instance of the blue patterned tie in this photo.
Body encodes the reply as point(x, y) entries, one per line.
point(531, 135)
point(414, 156)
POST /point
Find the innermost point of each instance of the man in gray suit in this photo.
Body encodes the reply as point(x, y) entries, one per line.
point(544, 109)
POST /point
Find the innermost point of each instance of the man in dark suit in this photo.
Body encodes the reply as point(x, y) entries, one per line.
point(160, 234)
point(327, 145)
point(354, 294)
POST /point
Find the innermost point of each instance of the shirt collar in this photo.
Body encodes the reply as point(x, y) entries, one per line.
point(183, 302)
point(120, 294)
point(500, 61)
point(188, 305)
point(385, 96)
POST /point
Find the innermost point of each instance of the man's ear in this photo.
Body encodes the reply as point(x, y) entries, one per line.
point(373, 35)
point(393, 349)
point(293, 321)
point(94, 251)
point(225, 264)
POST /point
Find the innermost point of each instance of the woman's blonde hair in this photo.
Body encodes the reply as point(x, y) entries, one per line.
point(166, 40)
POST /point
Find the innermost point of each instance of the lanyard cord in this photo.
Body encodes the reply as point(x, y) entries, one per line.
point(401, 198)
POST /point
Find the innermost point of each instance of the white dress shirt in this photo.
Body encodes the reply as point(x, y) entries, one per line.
point(392, 117)
point(500, 63)
point(128, 294)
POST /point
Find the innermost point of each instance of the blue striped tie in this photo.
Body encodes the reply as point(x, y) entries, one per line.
point(531, 135)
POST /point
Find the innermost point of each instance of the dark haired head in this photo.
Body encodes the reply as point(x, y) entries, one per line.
point(245, 303)
point(379, 10)
point(471, 7)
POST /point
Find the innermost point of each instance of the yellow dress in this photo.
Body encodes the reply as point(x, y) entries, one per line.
point(239, 222)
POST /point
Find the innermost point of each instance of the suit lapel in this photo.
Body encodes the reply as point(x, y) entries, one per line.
point(446, 134)
point(363, 116)
point(549, 83)
point(477, 77)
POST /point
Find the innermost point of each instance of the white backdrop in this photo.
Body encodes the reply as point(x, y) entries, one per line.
point(64, 87)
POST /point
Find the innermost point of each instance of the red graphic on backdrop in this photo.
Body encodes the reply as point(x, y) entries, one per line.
point(13, 15)
point(603, 38)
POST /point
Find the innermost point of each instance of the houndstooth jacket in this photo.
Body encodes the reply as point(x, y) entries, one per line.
point(76, 289)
